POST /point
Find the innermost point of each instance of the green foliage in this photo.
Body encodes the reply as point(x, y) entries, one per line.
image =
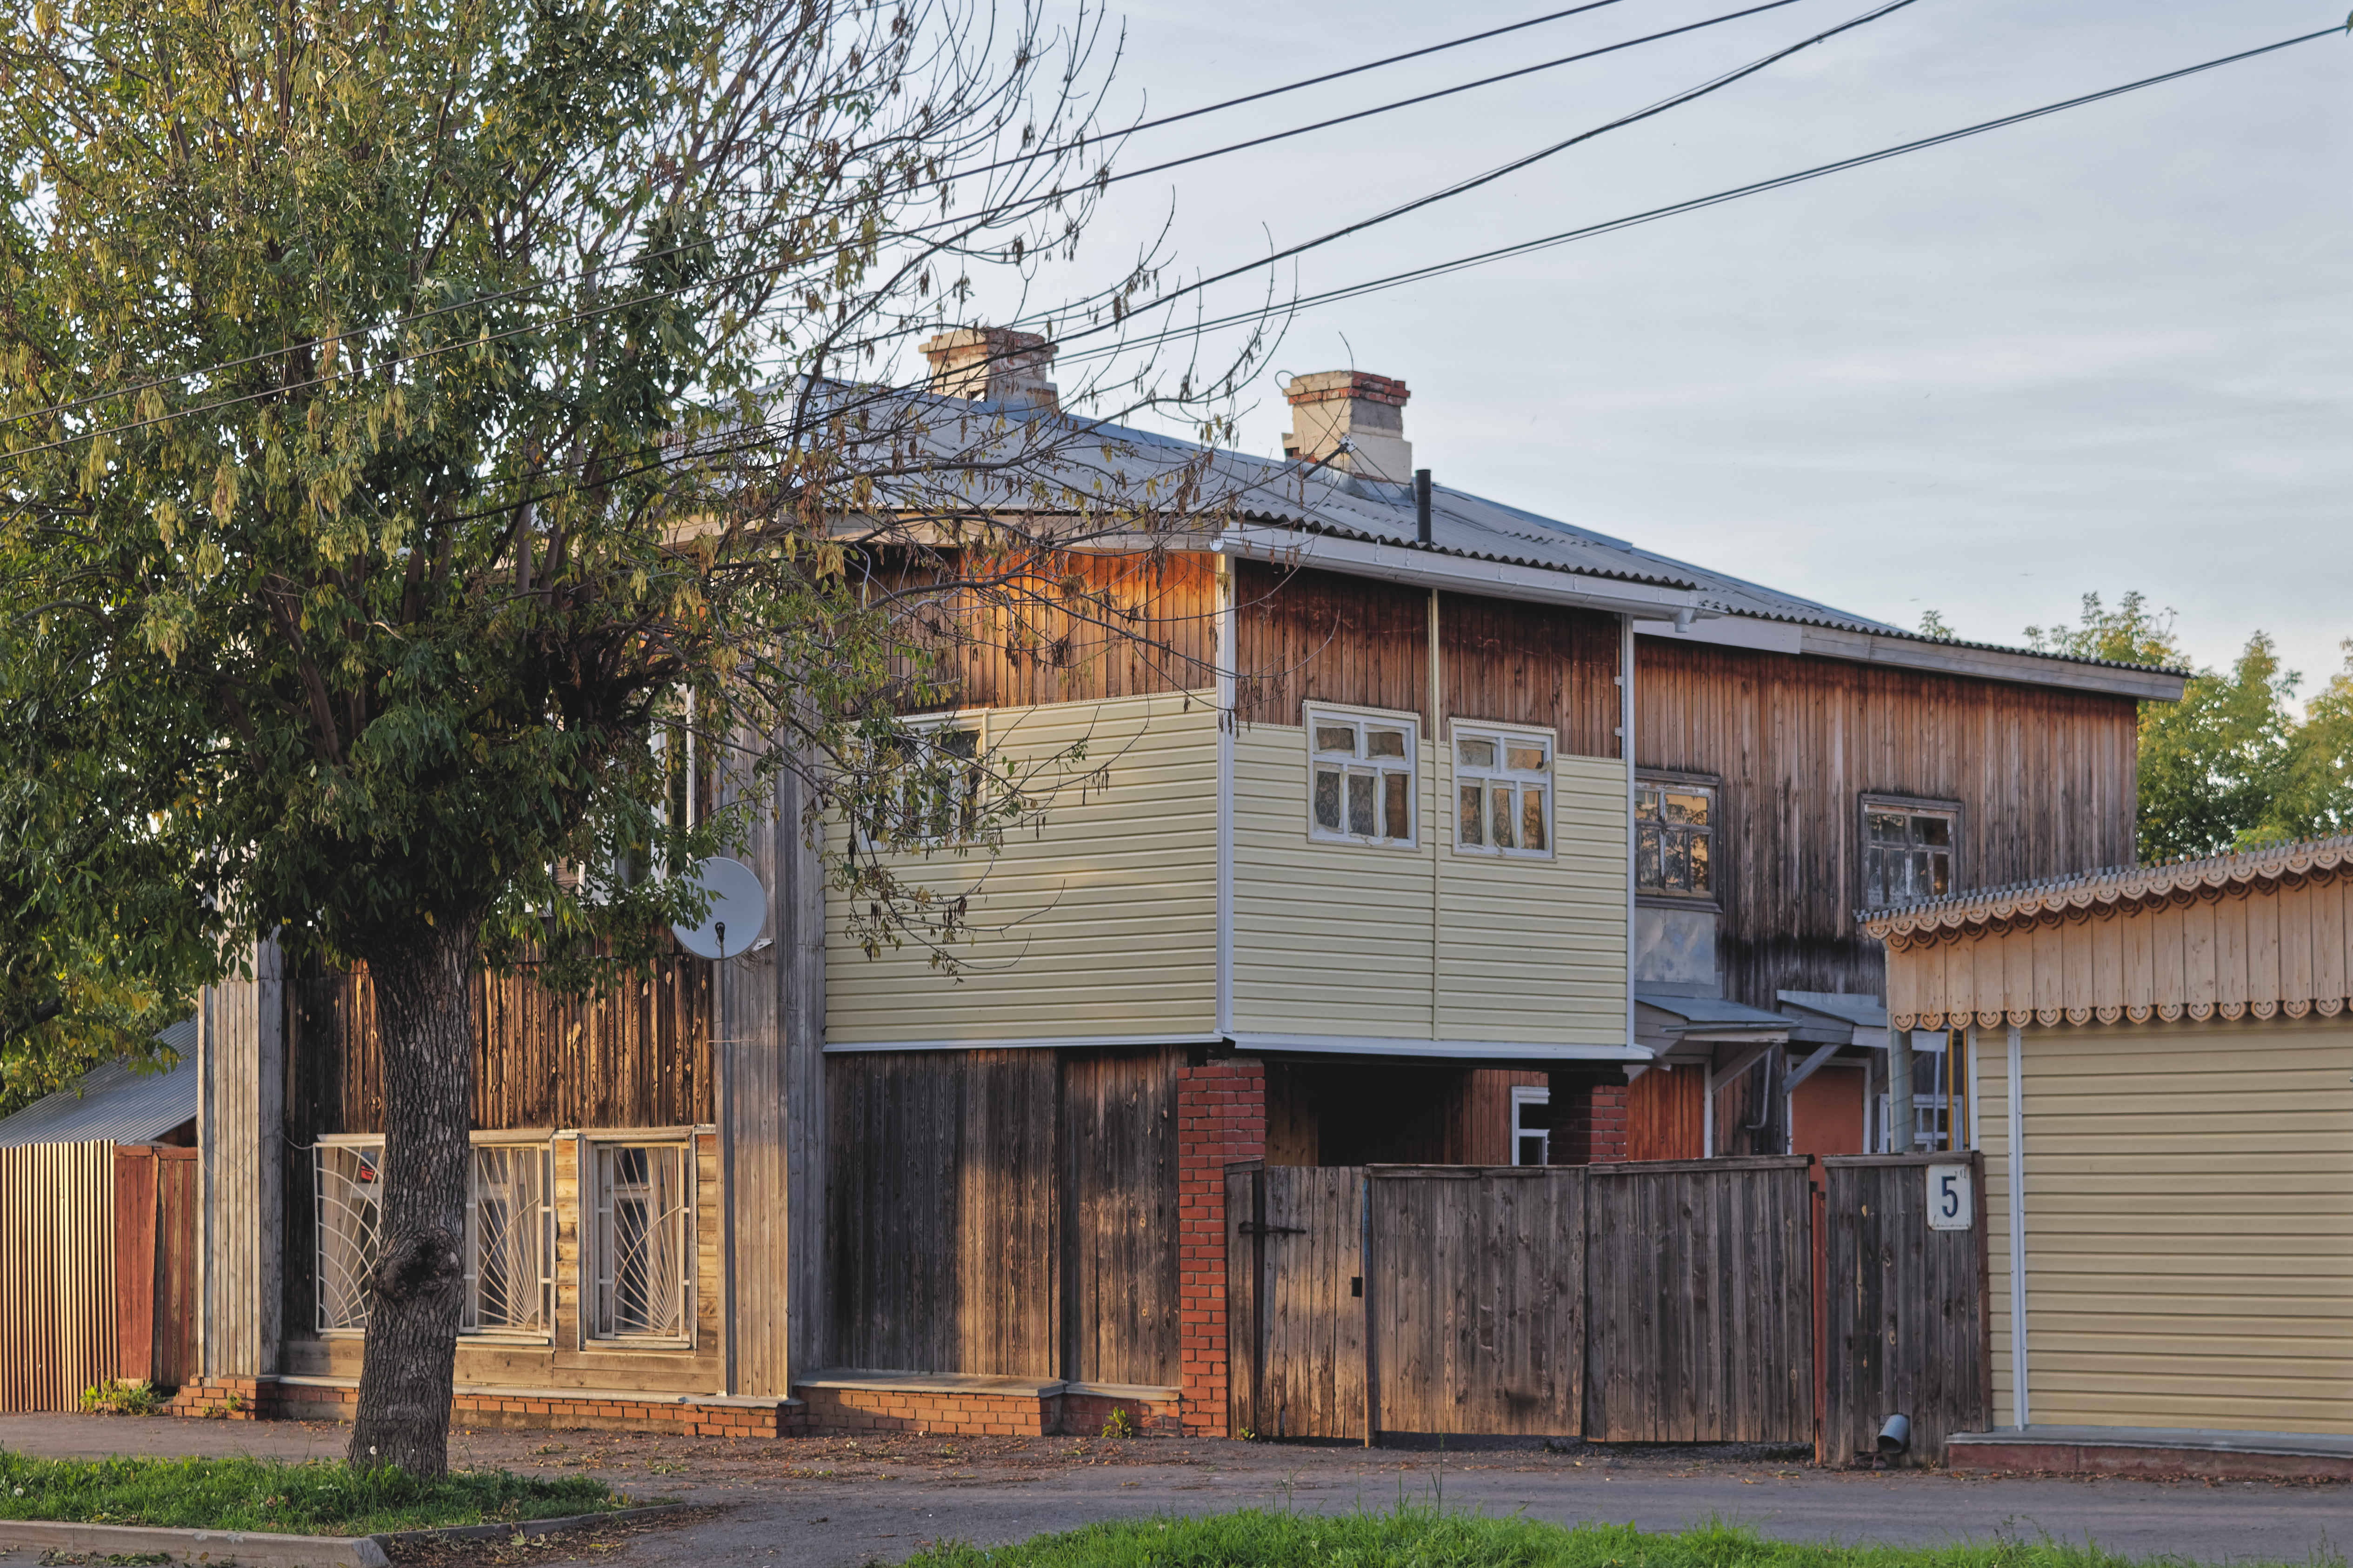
point(1932, 625)
point(1413, 1537)
point(117, 1397)
point(1120, 1425)
point(313, 1499)
point(2229, 766)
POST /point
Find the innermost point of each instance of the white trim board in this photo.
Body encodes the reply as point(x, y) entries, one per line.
point(1384, 1046)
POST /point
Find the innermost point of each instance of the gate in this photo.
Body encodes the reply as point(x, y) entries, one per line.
point(1667, 1301)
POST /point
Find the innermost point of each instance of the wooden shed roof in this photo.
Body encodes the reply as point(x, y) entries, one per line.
point(2267, 932)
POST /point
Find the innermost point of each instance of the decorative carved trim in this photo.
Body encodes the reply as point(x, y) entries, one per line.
point(2263, 1009)
point(2079, 1015)
point(2299, 1006)
point(2107, 1014)
point(2230, 1010)
point(2139, 1014)
point(2201, 1011)
point(2169, 1011)
point(2329, 1007)
point(2099, 893)
point(1990, 1018)
point(2048, 1016)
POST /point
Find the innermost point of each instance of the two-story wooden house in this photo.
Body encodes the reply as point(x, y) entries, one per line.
point(1357, 865)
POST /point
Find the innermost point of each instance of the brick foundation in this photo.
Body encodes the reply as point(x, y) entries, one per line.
point(976, 1413)
point(2149, 1461)
point(496, 1409)
point(1221, 1119)
point(1588, 1118)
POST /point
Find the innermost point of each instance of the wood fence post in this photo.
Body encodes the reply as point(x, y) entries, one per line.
point(1818, 1180)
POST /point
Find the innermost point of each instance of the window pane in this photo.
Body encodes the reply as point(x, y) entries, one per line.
point(1384, 743)
point(1699, 847)
point(1499, 815)
point(1646, 805)
point(1472, 829)
point(1340, 737)
point(1528, 757)
point(962, 743)
point(1327, 799)
point(1476, 753)
point(1889, 827)
point(1648, 869)
point(1932, 830)
point(1874, 879)
point(1360, 804)
point(1397, 816)
point(1676, 850)
point(1532, 1151)
point(1532, 820)
point(1940, 875)
point(1683, 806)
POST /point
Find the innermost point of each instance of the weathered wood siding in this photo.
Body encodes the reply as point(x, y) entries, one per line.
point(1119, 1159)
point(637, 1055)
point(1341, 939)
point(1097, 625)
point(155, 1263)
point(1699, 1314)
point(240, 1139)
point(942, 1229)
point(1477, 1282)
point(1905, 1324)
point(1295, 1301)
point(2189, 1222)
point(1102, 922)
point(1666, 1114)
point(2046, 780)
point(1303, 635)
point(58, 1325)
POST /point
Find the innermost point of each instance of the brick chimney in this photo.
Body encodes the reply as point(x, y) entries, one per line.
point(1364, 410)
point(993, 365)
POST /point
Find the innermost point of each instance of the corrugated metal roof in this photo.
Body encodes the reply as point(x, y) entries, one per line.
point(1711, 1012)
point(1109, 458)
point(114, 1104)
point(1864, 1011)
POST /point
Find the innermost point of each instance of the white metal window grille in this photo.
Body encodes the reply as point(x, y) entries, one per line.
point(1531, 1126)
point(1360, 778)
point(1907, 853)
point(510, 1242)
point(1503, 793)
point(1674, 838)
point(643, 1225)
point(348, 1181)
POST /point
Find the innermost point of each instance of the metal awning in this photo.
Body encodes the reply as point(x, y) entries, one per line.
point(112, 1103)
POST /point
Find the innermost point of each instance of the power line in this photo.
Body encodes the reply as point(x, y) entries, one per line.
point(1479, 258)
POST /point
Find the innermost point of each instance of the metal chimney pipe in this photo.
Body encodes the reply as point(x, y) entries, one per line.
point(1421, 505)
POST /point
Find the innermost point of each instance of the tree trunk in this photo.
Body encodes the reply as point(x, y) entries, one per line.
point(411, 1352)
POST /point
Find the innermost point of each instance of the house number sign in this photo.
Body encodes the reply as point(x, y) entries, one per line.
point(1952, 1202)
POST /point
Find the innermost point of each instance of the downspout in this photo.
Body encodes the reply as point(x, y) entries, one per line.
point(1626, 750)
point(1228, 721)
point(2020, 1415)
point(1437, 767)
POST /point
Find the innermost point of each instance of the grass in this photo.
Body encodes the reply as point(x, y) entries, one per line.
point(1414, 1537)
point(314, 1499)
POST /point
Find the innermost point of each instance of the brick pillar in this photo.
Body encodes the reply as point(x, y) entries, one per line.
point(1220, 1117)
point(1588, 1117)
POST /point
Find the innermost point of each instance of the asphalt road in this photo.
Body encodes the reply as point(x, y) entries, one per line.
point(833, 1504)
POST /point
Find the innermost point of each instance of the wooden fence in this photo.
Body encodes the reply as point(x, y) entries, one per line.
point(155, 1263)
point(57, 1274)
point(1671, 1301)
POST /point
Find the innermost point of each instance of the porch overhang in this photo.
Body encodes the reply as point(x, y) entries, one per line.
point(1521, 1051)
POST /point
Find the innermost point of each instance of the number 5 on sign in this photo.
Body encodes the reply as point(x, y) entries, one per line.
point(1952, 1204)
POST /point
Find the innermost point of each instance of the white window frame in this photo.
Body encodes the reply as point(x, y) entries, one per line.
point(1665, 783)
point(1523, 1096)
point(912, 807)
point(1499, 772)
point(339, 1263)
point(598, 1211)
point(1363, 720)
point(540, 1236)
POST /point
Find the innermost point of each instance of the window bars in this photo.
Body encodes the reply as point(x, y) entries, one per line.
point(510, 1249)
point(642, 1228)
point(349, 1180)
point(510, 1242)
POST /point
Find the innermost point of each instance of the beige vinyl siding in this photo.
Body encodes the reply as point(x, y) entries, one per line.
point(1534, 951)
point(1340, 938)
point(1102, 923)
point(2189, 1222)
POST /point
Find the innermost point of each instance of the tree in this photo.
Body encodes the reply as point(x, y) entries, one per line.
point(422, 415)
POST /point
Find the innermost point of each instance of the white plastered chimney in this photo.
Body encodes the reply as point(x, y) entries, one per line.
point(993, 365)
point(1354, 409)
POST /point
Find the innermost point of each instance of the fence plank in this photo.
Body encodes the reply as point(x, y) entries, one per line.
point(58, 1305)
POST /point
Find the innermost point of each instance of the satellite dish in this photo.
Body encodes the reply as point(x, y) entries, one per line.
point(739, 908)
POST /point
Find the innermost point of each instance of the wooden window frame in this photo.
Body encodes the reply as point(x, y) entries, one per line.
point(1331, 716)
point(1547, 779)
point(1870, 801)
point(1663, 898)
point(594, 1242)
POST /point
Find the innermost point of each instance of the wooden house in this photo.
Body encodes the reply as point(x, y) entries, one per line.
point(1359, 867)
point(2164, 1101)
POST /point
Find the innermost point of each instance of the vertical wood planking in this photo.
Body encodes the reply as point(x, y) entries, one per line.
point(58, 1312)
point(1119, 1141)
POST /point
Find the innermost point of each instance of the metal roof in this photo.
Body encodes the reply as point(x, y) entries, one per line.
point(1108, 461)
point(111, 1103)
point(1852, 1007)
point(1711, 1012)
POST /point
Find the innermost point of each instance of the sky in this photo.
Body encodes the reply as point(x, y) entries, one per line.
point(2106, 350)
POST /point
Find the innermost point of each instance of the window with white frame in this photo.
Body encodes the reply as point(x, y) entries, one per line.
point(1674, 838)
point(940, 803)
point(641, 1241)
point(1502, 793)
point(510, 1243)
point(1360, 777)
point(347, 1187)
point(1531, 1126)
point(1907, 851)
